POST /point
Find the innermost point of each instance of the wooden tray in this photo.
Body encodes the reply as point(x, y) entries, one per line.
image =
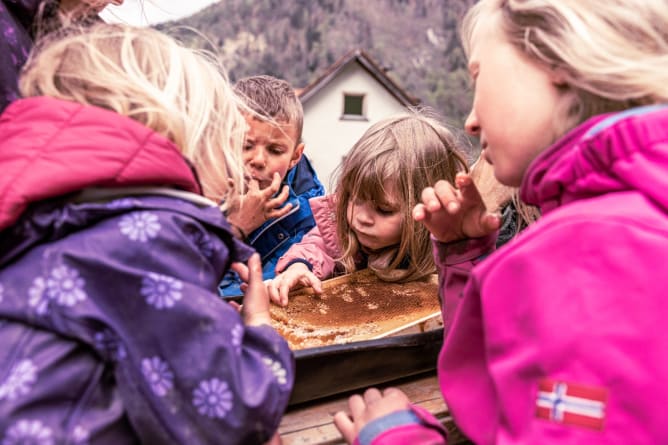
point(344, 342)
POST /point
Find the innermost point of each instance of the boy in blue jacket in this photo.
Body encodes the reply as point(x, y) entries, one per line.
point(268, 220)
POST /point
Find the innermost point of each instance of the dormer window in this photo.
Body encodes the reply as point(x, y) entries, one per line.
point(353, 106)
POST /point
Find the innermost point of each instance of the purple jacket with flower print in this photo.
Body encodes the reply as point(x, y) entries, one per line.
point(112, 331)
point(16, 18)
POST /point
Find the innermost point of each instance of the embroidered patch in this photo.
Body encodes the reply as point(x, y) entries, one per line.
point(571, 403)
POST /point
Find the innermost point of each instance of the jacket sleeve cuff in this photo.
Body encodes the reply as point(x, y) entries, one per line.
point(401, 424)
point(298, 260)
point(396, 419)
point(456, 252)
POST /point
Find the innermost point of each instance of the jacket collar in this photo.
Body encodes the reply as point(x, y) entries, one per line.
point(607, 153)
point(52, 147)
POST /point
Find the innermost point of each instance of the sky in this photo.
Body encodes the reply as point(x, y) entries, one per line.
point(148, 12)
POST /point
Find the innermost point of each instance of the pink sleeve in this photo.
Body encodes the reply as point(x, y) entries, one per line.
point(313, 249)
point(454, 262)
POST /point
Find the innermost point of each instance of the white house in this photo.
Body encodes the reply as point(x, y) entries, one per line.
point(352, 94)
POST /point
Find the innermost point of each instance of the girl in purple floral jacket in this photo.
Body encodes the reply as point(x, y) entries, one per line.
point(112, 247)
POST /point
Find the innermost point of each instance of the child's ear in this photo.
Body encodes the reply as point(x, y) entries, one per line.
point(559, 77)
point(297, 154)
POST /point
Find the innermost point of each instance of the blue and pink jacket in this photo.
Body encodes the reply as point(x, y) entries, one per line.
point(274, 237)
point(111, 328)
point(559, 336)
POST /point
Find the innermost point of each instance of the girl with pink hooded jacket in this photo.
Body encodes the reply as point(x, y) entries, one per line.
point(559, 336)
point(367, 223)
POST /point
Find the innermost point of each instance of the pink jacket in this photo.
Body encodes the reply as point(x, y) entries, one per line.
point(320, 245)
point(65, 166)
point(560, 335)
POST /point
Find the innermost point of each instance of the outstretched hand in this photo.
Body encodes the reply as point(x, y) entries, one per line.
point(452, 214)
point(255, 309)
point(250, 210)
point(297, 275)
point(363, 409)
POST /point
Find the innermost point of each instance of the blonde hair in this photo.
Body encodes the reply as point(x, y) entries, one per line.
point(146, 75)
point(272, 99)
point(612, 54)
point(405, 153)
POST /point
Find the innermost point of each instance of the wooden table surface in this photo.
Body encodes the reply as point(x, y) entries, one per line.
point(312, 423)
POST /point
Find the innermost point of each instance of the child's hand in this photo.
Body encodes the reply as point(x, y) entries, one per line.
point(298, 274)
point(255, 309)
point(251, 210)
point(275, 440)
point(452, 214)
point(367, 408)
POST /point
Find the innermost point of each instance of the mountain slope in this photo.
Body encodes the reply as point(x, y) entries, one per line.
point(416, 40)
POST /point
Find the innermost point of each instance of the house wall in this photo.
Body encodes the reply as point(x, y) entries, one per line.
point(326, 136)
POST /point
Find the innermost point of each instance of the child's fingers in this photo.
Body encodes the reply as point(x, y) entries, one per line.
point(372, 395)
point(430, 201)
point(253, 186)
point(277, 213)
point(357, 406)
point(272, 188)
point(278, 200)
point(419, 212)
point(345, 425)
point(272, 290)
point(447, 196)
point(396, 393)
point(469, 192)
point(255, 264)
point(256, 299)
point(308, 278)
point(315, 282)
point(284, 291)
point(241, 269)
point(252, 275)
point(491, 222)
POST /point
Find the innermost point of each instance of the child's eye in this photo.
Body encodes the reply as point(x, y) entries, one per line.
point(248, 146)
point(386, 211)
point(276, 149)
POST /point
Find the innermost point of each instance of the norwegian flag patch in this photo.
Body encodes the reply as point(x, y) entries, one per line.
point(571, 403)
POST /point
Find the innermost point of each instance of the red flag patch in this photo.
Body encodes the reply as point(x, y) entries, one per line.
point(571, 403)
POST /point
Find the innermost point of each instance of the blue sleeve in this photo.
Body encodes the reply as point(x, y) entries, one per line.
point(187, 369)
point(414, 426)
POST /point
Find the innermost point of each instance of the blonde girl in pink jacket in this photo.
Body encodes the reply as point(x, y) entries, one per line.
point(367, 222)
point(560, 335)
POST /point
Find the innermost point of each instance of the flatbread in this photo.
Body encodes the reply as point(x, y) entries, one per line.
point(355, 307)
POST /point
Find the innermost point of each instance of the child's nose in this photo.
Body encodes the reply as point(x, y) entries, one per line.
point(471, 125)
point(363, 215)
point(258, 160)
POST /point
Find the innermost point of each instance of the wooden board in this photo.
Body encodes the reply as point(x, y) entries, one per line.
point(355, 307)
point(313, 424)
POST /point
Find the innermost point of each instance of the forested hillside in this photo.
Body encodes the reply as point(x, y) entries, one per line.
point(416, 40)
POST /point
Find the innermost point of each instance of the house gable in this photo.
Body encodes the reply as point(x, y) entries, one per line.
point(330, 131)
point(372, 68)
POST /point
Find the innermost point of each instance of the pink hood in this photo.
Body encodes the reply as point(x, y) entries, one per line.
point(51, 147)
point(609, 153)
